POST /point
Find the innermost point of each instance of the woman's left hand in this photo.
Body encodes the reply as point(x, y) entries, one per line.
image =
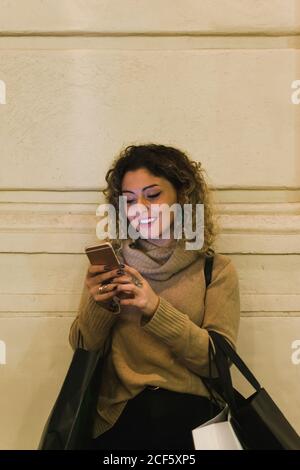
point(145, 299)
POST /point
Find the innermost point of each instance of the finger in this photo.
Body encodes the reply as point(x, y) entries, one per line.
point(128, 302)
point(100, 278)
point(110, 291)
point(95, 268)
point(122, 279)
point(105, 297)
point(107, 288)
point(126, 288)
point(133, 272)
point(98, 268)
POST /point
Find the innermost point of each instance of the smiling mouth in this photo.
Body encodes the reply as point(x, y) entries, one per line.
point(147, 222)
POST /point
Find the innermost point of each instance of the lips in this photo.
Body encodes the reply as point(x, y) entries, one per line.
point(144, 221)
point(147, 221)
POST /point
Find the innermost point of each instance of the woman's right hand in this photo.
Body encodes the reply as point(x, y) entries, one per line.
point(96, 276)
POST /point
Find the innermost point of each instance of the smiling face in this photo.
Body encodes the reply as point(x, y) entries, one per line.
point(142, 187)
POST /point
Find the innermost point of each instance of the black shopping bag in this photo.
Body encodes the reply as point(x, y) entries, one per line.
point(256, 420)
point(69, 426)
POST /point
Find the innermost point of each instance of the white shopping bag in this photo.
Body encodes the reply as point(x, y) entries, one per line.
point(216, 434)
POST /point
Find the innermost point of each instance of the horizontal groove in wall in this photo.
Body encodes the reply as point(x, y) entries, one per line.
point(73, 313)
point(45, 314)
point(70, 253)
point(91, 189)
point(225, 252)
point(89, 208)
point(270, 314)
point(93, 195)
point(137, 42)
point(68, 301)
point(229, 244)
point(221, 33)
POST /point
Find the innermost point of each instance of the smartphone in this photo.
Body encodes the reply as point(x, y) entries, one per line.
point(103, 254)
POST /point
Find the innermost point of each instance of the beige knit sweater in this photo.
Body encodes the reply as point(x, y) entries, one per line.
point(170, 350)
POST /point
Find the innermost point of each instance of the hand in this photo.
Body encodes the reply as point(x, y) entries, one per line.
point(145, 299)
point(96, 276)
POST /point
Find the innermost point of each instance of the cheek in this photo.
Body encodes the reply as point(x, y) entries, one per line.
point(125, 214)
point(167, 219)
point(165, 214)
point(130, 212)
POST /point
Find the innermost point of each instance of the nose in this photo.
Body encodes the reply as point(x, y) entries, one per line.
point(142, 200)
point(137, 212)
point(146, 204)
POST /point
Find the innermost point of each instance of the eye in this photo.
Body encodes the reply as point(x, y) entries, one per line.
point(153, 195)
point(150, 196)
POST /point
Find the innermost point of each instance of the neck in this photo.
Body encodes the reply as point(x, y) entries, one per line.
point(166, 242)
point(161, 242)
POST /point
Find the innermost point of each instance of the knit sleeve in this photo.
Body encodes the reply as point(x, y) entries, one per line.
point(94, 322)
point(188, 341)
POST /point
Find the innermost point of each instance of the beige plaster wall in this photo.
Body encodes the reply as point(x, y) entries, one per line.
point(85, 78)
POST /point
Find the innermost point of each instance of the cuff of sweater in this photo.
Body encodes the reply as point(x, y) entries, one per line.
point(167, 323)
point(95, 317)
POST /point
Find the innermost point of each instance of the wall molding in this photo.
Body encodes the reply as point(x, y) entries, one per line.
point(221, 194)
point(131, 17)
point(148, 42)
point(62, 221)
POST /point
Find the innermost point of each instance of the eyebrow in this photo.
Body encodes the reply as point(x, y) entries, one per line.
point(146, 187)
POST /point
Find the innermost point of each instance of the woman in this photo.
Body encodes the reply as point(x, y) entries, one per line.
point(152, 394)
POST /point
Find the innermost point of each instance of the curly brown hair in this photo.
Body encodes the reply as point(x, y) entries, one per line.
point(174, 165)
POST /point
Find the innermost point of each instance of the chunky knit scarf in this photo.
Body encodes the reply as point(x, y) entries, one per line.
point(158, 263)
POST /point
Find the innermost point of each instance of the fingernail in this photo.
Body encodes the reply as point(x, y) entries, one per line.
point(122, 265)
point(120, 272)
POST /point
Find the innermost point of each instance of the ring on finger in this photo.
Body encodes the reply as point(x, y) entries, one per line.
point(137, 282)
point(102, 288)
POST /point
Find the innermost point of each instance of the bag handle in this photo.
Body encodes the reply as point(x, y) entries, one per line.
point(208, 266)
point(222, 352)
point(224, 379)
point(229, 352)
point(208, 382)
point(80, 340)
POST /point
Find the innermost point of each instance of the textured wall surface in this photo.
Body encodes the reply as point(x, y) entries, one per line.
point(85, 78)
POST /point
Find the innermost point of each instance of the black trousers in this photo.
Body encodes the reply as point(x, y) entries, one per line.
point(157, 419)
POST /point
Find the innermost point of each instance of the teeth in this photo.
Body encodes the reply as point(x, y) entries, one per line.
point(145, 221)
